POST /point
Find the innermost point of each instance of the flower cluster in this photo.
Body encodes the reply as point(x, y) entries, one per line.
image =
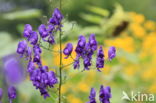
point(104, 95)
point(11, 93)
point(85, 50)
point(54, 24)
point(40, 76)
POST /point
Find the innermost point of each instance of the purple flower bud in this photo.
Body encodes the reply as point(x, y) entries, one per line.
point(111, 53)
point(51, 40)
point(45, 68)
point(37, 49)
point(77, 63)
point(57, 14)
point(87, 63)
point(1, 93)
point(22, 45)
point(33, 38)
point(92, 96)
point(104, 94)
point(68, 50)
point(56, 17)
point(37, 52)
point(27, 31)
point(43, 31)
point(80, 45)
point(93, 42)
point(37, 58)
point(50, 28)
point(11, 92)
point(100, 58)
point(52, 78)
point(44, 93)
point(30, 67)
point(28, 52)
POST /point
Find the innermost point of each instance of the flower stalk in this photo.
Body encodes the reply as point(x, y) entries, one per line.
point(60, 68)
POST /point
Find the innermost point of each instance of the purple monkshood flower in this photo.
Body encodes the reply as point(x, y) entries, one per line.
point(80, 45)
point(30, 67)
point(37, 52)
point(87, 63)
point(111, 53)
point(40, 76)
point(51, 39)
point(76, 63)
point(41, 79)
point(11, 93)
point(93, 42)
point(68, 50)
point(86, 50)
point(1, 94)
point(33, 38)
point(56, 18)
point(22, 45)
point(100, 58)
point(13, 70)
point(92, 96)
point(105, 94)
point(43, 31)
point(50, 28)
point(27, 31)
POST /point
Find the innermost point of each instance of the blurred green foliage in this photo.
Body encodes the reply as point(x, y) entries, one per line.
point(81, 17)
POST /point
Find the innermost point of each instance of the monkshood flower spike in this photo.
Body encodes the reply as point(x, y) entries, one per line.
point(100, 59)
point(40, 75)
point(92, 96)
point(104, 95)
point(11, 93)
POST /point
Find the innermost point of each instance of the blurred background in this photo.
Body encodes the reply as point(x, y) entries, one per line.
point(129, 25)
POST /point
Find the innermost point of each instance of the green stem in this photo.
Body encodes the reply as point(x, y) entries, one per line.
point(60, 67)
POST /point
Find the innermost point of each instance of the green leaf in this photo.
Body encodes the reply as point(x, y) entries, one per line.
point(24, 14)
point(92, 18)
point(98, 10)
point(7, 44)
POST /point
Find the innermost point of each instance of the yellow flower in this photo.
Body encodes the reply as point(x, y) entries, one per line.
point(73, 99)
point(150, 25)
point(106, 70)
point(149, 74)
point(90, 75)
point(149, 43)
point(82, 86)
point(126, 43)
point(131, 69)
point(137, 30)
point(56, 58)
point(137, 18)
